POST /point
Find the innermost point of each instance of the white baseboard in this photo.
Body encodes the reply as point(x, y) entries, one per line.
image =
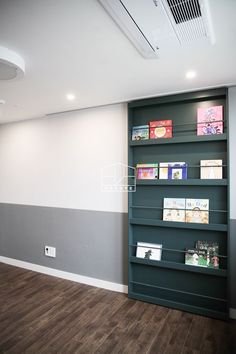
point(66, 275)
point(232, 313)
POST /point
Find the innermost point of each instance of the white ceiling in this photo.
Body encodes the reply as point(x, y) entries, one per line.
point(74, 46)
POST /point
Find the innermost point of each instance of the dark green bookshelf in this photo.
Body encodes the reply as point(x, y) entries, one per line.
point(179, 225)
point(170, 282)
point(179, 266)
point(179, 140)
point(183, 182)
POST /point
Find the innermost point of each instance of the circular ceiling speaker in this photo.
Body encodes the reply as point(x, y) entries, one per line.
point(12, 65)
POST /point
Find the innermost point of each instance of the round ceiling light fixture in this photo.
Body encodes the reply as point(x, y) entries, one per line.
point(12, 65)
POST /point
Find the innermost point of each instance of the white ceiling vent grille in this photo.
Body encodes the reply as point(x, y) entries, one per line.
point(152, 25)
point(184, 10)
point(190, 19)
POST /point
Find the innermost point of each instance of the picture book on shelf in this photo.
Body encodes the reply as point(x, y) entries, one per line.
point(174, 209)
point(160, 129)
point(191, 257)
point(211, 169)
point(147, 171)
point(212, 251)
point(163, 170)
point(173, 170)
point(140, 132)
point(177, 170)
point(210, 120)
point(197, 211)
point(196, 257)
point(149, 251)
point(202, 257)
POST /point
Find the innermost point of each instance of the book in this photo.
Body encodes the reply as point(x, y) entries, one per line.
point(140, 132)
point(210, 120)
point(196, 257)
point(174, 209)
point(149, 251)
point(197, 211)
point(202, 257)
point(211, 169)
point(147, 171)
point(177, 170)
point(163, 170)
point(173, 170)
point(212, 251)
point(191, 257)
point(160, 129)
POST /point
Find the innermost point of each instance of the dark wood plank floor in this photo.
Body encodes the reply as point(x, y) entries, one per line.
point(42, 314)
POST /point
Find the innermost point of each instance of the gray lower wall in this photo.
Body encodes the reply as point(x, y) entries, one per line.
point(89, 243)
point(232, 249)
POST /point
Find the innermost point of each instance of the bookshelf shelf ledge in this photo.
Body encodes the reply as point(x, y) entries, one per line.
point(183, 225)
point(180, 266)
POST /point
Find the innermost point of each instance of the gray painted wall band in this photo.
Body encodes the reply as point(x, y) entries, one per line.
point(89, 243)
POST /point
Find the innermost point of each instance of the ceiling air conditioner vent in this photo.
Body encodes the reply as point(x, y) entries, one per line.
point(191, 19)
point(184, 10)
point(152, 25)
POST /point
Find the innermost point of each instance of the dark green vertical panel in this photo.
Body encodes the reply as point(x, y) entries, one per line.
point(200, 291)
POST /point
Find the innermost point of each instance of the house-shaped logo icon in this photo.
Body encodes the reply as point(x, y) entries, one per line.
point(118, 177)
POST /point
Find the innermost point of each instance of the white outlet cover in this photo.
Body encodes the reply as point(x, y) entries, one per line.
point(50, 251)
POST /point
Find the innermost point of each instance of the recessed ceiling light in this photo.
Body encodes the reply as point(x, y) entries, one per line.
point(190, 74)
point(70, 96)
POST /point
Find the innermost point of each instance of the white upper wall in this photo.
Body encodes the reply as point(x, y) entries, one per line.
point(232, 150)
point(57, 161)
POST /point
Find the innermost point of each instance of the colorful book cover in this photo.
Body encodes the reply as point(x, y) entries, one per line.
point(212, 250)
point(197, 211)
point(191, 257)
point(210, 120)
point(160, 129)
point(173, 170)
point(202, 258)
point(140, 132)
point(147, 171)
point(149, 251)
point(177, 170)
point(163, 171)
point(174, 209)
point(211, 169)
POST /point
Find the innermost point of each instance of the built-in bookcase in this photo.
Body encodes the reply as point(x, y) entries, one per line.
point(170, 282)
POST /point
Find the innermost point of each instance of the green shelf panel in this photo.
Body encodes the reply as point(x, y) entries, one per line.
point(184, 97)
point(182, 225)
point(180, 266)
point(180, 140)
point(170, 282)
point(182, 182)
point(180, 306)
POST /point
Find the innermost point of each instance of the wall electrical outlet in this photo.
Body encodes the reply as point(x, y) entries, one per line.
point(50, 251)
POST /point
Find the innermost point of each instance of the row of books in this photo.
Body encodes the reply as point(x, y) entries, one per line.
point(205, 254)
point(209, 169)
point(209, 122)
point(186, 210)
point(155, 130)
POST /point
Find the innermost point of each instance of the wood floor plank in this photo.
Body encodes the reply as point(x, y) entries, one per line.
point(40, 314)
